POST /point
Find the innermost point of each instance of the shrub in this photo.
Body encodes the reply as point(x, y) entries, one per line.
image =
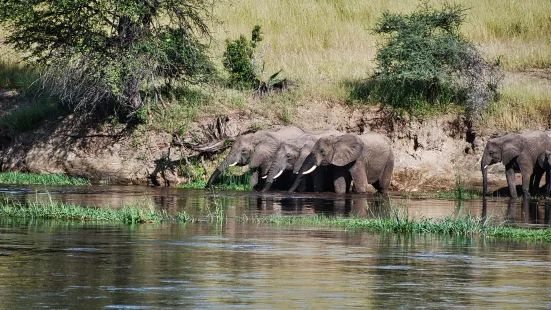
point(245, 69)
point(425, 62)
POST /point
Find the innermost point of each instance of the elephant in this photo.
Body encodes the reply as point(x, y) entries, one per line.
point(544, 165)
point(366, 158)
point(256, 150)
point(519, 153)
point(290, 156)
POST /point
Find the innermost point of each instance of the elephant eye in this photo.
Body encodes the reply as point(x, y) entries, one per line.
point(243, 150)
point(322, 151)
point(288, 155)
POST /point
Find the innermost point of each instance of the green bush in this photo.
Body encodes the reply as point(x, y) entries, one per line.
point(425, 63)
point(246, 71)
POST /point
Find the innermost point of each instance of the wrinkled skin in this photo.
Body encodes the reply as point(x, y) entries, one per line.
point(519, 153)
point(255, 150)
point(544, 165)
point(366, 159)
point(291, 154)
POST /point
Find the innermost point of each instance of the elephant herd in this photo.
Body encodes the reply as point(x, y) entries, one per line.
point(292, 159)
point(295, 160)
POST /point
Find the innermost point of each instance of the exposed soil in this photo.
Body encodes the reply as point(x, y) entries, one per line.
point(430, 154)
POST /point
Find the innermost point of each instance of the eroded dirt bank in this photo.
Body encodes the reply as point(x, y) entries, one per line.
point(430, 154)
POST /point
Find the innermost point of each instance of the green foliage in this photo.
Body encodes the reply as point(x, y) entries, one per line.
point(35, 178)
point(425, 62)
point(245, 71)
point(238, 61)
point(226, 181)
point(113, 53)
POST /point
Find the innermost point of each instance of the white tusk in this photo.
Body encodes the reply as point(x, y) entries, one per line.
point(235, 163)
point(265, 176)
point(485, 166)
point(278, 174)
point(310, 170)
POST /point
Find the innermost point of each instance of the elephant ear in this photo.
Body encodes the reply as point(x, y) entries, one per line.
point(263, 153)
point(347, 149)
point(508, 153)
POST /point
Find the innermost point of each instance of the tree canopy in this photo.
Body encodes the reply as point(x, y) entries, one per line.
point(111, 51)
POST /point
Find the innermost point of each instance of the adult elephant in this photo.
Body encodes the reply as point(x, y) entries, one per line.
point(256, 150)
point(519, 153)
point(366, 158)
point(291, 154)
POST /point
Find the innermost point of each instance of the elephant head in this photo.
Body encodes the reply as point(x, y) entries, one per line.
point(544, 160)
point(501, 149)
point(255, 150)
point(241, 153)
point(332, 150)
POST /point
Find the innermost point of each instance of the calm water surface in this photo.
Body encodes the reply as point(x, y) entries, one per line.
point(53, 264)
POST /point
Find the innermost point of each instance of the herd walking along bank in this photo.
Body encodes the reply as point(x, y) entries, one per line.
point(296, 160)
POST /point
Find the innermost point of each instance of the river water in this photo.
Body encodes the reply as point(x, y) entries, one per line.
point(68, 265)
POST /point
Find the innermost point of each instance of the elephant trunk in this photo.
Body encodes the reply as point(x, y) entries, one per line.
point(484, 163)
point(484, 181)
point(275, 171)
point(228, 161)
point(308, 166)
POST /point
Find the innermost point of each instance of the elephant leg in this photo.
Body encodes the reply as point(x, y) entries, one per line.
point(547, 183)
point(510, 175)
point(526, 185)
point(535, 186)
point(341, 179)
point(359, 176)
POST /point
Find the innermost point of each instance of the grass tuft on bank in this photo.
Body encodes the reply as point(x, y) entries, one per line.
point(44, 179)
point(133, 213)
point(146, 212)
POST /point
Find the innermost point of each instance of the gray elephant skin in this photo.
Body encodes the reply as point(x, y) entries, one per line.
point(291, 155)
point(255, 150)
point(544, 164)
point(519, 153)
point(365, 159)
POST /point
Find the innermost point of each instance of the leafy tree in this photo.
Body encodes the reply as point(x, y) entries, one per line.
point(426, 61)
point(111, 52)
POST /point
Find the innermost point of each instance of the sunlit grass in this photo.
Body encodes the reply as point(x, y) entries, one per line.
point(322, 43)
point(146, 212)
point(46, 179)
point(128, 213)
point(525, 102)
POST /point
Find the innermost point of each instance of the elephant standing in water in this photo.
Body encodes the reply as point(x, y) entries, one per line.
point(290, 156)
point(256, 150)
point(544, 164)
point(366, 158)
point(519, 153)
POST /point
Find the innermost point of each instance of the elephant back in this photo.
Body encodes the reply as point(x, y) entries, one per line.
point(378, 154)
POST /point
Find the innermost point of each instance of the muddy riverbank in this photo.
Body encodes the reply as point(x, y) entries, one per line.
point(431, 154)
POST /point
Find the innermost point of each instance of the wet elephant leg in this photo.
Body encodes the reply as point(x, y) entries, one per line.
point(339, 180)
point(510, 175)
point(359, 176)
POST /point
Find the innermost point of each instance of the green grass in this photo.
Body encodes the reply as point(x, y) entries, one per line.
point(146, 212)
point(132, 213)
point(226, 181)
point(463, 225)
point(45, 179)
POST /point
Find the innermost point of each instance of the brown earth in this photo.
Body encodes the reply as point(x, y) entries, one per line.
point(430, 154)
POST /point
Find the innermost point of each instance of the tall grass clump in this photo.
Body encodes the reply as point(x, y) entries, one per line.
point(132, 213)
point(226, 181)
point(45, 179)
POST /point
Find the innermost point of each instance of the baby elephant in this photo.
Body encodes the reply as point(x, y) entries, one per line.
point(544, 165)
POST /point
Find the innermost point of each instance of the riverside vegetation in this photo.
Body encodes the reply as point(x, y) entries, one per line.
point(145, 212)
point(328, 49)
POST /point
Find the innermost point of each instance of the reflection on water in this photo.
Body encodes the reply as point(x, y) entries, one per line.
point(529, 213)
point(68, 265)
point(53, 264)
